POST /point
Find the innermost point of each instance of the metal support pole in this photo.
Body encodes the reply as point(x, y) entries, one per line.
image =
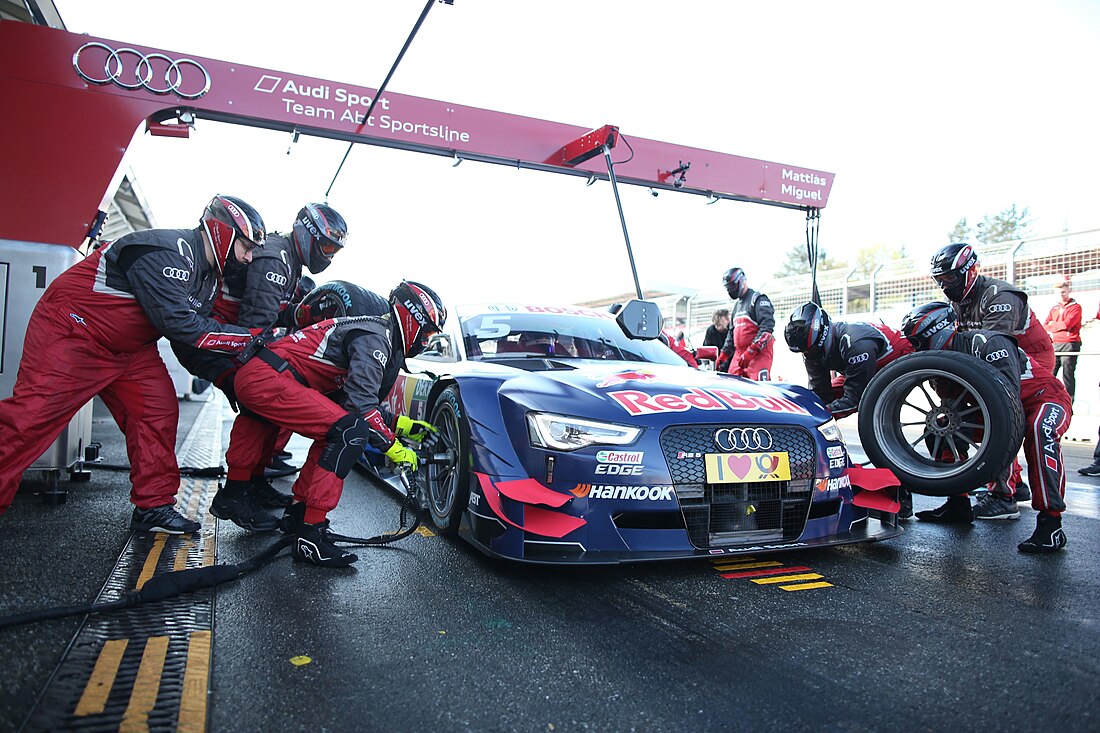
point(622, 219)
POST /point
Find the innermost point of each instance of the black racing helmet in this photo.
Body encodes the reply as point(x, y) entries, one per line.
point(929, 326)
point(809, 329)
point(955, 269)
point(418, 313)
point(337, 299)
point(319, 233)
point(226, 218)
point(735, 282)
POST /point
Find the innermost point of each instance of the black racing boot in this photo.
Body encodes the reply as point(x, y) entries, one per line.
point(956, 510)
point(268, 496)
point(294, 518)
point(235, 502)
point(313, 545)
point(1023, 492)
point(1047, 537)
point(905, 498)
point(279, 467)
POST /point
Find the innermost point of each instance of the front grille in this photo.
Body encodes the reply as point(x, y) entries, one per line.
point(723, 515)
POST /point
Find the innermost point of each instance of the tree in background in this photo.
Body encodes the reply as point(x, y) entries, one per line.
point(796, 262)
point(1004, 227)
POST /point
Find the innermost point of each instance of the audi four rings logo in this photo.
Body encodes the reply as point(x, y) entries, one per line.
point(276, 278)
point(859, 358)
point(176, 273)
point(731, 439)
point(997, 355)
point(1000, 308)
point(129, 68)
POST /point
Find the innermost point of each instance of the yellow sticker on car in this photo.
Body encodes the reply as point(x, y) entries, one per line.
point(747, 468)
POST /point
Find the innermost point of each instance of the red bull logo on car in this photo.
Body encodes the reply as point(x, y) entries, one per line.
point(624, 377)
point(642, 403)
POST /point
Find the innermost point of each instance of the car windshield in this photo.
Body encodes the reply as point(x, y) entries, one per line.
point(518, 335)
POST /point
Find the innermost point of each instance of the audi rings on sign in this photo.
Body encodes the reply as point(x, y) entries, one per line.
point(743, 439)
point(129, 68)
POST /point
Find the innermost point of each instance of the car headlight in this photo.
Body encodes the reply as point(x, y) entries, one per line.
point(570, 433)
point(831, 431)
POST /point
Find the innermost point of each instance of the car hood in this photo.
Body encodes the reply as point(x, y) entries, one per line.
point(651, 393)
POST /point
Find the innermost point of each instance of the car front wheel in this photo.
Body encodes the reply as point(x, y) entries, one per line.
point(448, 483)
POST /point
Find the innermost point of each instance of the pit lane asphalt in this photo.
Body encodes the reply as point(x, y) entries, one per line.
point(943, 628)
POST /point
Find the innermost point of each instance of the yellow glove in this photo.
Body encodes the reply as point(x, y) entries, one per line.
point(402, 456)
point(415, 429)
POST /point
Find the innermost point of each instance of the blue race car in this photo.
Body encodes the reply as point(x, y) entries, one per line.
point(565, 440)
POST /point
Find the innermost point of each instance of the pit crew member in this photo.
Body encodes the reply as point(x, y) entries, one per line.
point(293, 383)
point(256, 297)
point(1047, 413)
point(749, 346)
point(981, 302)
point(95, 332)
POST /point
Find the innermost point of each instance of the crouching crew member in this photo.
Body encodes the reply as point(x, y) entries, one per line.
point(95, 332)
point(292, 384)
point(257, 297)
point(855, 351)
point(1047, 413)
point(241, 500)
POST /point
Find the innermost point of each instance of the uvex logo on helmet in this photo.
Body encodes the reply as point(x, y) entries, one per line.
point(310, 227)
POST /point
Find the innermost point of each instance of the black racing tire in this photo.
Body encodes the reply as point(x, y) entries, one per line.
point(903, 421)
point(447, 487)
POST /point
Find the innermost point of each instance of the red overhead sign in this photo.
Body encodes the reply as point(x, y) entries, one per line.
point(73, 103)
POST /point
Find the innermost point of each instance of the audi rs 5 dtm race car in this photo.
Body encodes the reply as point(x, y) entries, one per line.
point(565, 440)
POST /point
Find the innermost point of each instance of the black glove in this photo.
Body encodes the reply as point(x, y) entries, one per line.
point(226, 385)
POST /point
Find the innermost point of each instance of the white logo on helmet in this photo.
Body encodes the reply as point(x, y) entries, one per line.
point(930, 332)
point(176, 273)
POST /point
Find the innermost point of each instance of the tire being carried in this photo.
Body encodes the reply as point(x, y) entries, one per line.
point(941, 403)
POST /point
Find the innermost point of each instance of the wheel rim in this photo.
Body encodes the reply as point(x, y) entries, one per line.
point(443, 478)
point(909, 413)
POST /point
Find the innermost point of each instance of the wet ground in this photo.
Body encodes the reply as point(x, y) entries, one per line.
point(943, 628)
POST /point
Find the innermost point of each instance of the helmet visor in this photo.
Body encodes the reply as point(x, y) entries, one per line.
point(328, 247)
point(949, 279)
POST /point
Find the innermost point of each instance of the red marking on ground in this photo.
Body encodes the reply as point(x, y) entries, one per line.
point(766, 571)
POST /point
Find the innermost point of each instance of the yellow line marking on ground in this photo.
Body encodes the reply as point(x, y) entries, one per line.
point(806, 586)
point(749, 565)
point(146, 686)
point(94, 698)
point(196, 675)
point(424, 531)
point(786, 578)
point(150, 568)
point(180, 562)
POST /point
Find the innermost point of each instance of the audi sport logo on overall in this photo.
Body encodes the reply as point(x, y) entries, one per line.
point(175, 273)
point(1000, 308)
point(276, 278)
point(129, 68)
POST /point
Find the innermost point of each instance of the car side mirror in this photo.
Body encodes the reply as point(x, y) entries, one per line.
point(640, 319)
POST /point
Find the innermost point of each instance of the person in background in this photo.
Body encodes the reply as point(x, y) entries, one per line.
point(718, 329)
point(747, 351)
point(1063, 323)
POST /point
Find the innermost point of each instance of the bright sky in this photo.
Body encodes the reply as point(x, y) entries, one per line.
point(926, 113)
